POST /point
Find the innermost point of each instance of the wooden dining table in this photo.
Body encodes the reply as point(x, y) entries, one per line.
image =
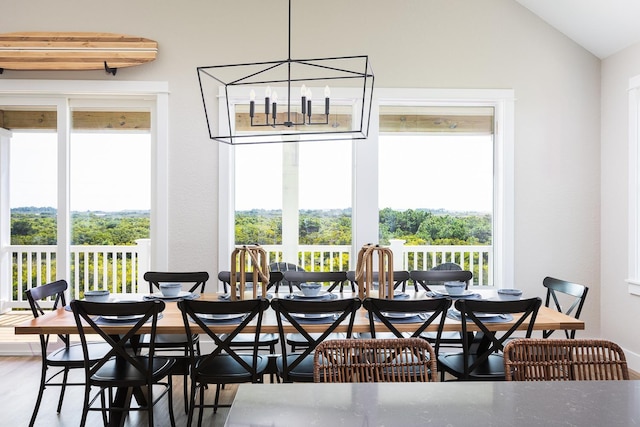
point(61, 320)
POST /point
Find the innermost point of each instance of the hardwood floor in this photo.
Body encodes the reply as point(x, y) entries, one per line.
point(19, 379)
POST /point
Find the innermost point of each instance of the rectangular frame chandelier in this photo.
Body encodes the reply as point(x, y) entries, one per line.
point(288, 100)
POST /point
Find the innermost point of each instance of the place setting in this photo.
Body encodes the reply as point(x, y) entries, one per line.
point(220, 318)
point(311, 292)
point(171, 292)
point(402, 317)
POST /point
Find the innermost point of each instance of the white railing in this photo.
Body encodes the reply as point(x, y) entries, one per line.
point(120, 268)
point(116, 267)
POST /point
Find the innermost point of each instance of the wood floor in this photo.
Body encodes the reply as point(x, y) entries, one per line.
point(19, 379)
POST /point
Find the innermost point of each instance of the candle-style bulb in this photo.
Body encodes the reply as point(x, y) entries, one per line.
point(274, 96)
point(309, 94)
point(267, 92)
point(303, 91)
point(327, 92)
point(252, 95)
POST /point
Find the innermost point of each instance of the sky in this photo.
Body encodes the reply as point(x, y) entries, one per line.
point(111, 172)
point(436, 172)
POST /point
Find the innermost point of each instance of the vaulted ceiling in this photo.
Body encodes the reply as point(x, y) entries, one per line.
point(603, 27)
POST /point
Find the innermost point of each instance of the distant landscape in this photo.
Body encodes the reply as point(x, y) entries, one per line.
point(37, 226)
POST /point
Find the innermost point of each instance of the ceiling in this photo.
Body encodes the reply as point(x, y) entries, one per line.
point(603, 27)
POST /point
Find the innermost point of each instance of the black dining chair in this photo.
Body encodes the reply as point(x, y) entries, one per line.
point(282, 267)
point(557, 290)
point(275, 277)
point(176, 345)
point(400, 278)
point(481, 357)
point(123, 368)
point(70, 356)
point(329, 279)
point(322, 318)
point(224, 365)
point(422, 312)
point(424, 278)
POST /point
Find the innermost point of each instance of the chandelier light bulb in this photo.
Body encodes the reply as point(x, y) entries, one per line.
point(327, 92)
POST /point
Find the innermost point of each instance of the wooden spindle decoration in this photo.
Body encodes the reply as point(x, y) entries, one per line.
point(364, 271)
point(257, 260)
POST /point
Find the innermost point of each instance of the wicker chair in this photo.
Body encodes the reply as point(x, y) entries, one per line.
point(564, 360)
point(375, 360)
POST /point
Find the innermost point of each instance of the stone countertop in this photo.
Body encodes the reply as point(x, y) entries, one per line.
point(523, 404)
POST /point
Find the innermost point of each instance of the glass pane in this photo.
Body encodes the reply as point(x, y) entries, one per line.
point(33, 188)
point(110, 199)
point(436, 187)
point(258, 195)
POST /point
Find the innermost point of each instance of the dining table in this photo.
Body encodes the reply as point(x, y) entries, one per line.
point(61, 320)
point(451, 404)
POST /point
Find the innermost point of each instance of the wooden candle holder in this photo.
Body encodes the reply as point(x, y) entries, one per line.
point(257, 260)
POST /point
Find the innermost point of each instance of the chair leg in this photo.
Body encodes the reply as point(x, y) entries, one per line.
point(43, 379)
point(63, 387)
point(192, 403)
point(201, 407)
point(85, 405)
point(215, 402)
point(150, 403)
point(172, 419)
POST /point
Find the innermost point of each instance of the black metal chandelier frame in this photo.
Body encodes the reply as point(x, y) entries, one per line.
point(306, 104)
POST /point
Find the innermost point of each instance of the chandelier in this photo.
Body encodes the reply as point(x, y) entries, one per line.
point(288, 100)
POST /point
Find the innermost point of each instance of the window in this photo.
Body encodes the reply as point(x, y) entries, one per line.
point(367, 158)
point(634, 186)
point(68, 180)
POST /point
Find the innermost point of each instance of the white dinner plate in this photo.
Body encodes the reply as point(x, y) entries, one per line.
point(444, 293)
point(321, 295)
point(397, 315)
point(221, 316)
point(123, 318)
point(181, 294)
point(312, 315)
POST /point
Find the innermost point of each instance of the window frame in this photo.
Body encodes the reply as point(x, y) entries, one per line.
point(365, 164)
point(61, 94)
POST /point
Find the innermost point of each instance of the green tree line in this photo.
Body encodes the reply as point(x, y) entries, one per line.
point(417, 227)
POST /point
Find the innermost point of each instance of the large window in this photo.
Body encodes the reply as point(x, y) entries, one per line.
point(466, 169)
point(80, 173)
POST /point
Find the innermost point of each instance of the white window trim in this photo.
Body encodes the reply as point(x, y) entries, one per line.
point(58, 93)
point(633, 278)
point(365, 155)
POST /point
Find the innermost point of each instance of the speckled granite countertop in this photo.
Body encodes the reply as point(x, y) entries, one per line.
point(585, 403)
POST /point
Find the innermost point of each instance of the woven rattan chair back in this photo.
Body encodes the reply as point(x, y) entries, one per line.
point(564, 360)
point(375, 360)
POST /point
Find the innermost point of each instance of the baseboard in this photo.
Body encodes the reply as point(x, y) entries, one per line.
point(633, 360)
point(20, 349)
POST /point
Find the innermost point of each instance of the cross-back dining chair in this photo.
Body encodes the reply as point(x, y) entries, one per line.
point(315, 321)
point(332, 279)
point(483, 360)
point(282, 267)
point(225, 364)
point(375, 360)
point(275, 277)
point(63, 359)
point(557, 290)
point(400, 278)
point(176, 343)
point(564, 360)
point(122, 368)
point(423, 312)
point(424, 278)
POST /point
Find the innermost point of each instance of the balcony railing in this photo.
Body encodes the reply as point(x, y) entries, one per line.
point(120, 268)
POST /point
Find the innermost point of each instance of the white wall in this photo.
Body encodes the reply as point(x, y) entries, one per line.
point(619, 308)
point(411, 43)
